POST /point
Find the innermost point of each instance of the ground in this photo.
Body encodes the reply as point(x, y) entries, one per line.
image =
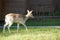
point(33, 34)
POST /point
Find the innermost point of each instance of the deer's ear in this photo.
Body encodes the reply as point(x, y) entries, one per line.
point(31, 11)
point(28, 11)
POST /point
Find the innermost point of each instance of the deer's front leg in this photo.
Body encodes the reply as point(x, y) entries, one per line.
point(25, 26)
point(17, 27)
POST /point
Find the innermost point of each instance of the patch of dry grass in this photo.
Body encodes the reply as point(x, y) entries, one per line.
point(33, 34)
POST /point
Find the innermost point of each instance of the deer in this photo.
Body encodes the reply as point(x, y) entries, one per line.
point(18, 19)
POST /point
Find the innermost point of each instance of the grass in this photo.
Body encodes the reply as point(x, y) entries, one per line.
point(33, 34)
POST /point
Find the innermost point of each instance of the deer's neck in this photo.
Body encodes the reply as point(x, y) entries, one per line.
point(26, 17)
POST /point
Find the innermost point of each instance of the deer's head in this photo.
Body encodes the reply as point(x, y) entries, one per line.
point(29, 13)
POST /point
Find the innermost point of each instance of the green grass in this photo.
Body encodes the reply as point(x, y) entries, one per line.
point(33, 34)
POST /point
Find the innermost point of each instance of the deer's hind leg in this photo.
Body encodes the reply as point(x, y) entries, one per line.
point(10, 24)
point(5, 25)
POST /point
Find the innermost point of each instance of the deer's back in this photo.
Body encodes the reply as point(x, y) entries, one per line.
point(15, 17)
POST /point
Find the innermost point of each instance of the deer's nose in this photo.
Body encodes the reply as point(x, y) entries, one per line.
point(32, 16)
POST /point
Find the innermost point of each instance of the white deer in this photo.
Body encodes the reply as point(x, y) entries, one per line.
point(16, 18)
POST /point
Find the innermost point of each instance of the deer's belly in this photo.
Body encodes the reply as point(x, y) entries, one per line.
point(19, 21)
